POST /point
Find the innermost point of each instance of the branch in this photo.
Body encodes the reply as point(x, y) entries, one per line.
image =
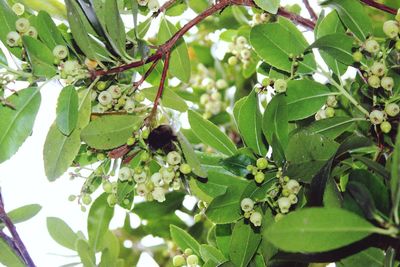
point(379, 6)
point(19, 245)
point(309, 24)
point(310, 10)
point(163, 8)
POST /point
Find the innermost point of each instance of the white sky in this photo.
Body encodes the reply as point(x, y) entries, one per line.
point(23, 182)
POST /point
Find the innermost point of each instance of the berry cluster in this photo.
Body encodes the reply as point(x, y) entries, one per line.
point(241, 50)
point(187, 258)
point(22, 27)
point(211, 101)
point(258, 170)
point(259, 18)
point(247, 206)
point(328, 111)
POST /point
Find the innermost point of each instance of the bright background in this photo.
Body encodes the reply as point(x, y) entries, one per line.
point(23, 181)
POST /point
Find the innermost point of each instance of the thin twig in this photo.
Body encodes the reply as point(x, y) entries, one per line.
point(163, 8)
point(310, 10)
point(21, 249)
point(137, 84)
point(309, 24)
point(380, 6)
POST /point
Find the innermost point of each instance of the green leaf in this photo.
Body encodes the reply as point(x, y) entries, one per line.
point(7, 22)
point(337, 45)
point(190, 156)
point(304, 98)
point(395, 178)
point(3, 59)
point(244, 244)
point(154, 210)
point(99, 218)
point(332, 127)
point(67, 110)
point(77, 21)
point(86, 254)
point(250, 124)
point(318, 230)
point(184, 240)
point(59, 150)
point(179, 62)
point(210, 253)
point(275, 120)
point(8, 256)
point(16, 125)
point(61, 232)
point(24, 213)
point(110, 250)
point(110, 131)
point(40, 56)
point(274, 42)
point(169, 98)
point(353, 15)
point(47, 30)
point(237, 164)
point(209, 134)
point(271, 6)
point(371, 257)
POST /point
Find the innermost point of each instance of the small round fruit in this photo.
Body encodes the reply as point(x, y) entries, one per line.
point(357, 56)
point(13, 39)
point(178, 261)
point(115, 91)
point(392, 109)
point(107, 187)
point(330, 112)
point(153, 5)
point(387, 83)
point(256, 218)
point(391, 28)
point(32, 32)
point(293, 186)
point(284, 204)
point(378, 68)
point(112, 200)
point(185, 168)
point(188, 252)
point(372, 46)
point(157, 179)
point(331, 101)
point(100, 156)
point(232, 61)
point(374, 81)
point(386, 127)
point(158, 194)
point(91, 64)
point(280, 86)
point(105, 98)
point(247, 204)
point(174, 158)
point(125, 174)
point(131, 140)
point(262, 163)
point(86, 199)
point(60, 52)
point(192, 260)
point(101, 86)
point(22, 25)
point(18, 9)
point(376, 117)
point(139, 97)
point(259, 177)
point(293, 198)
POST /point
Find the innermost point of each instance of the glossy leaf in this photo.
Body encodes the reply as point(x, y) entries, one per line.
point(111, 131)
point(40, 56)
point(169, 98)
point(336, 45)
point(237, 164)
point(8, 256)
point(271, 6)
point(395, 178)
point(371, 257)
point(275, 120)
point(17, 124)
point(7, 22)
point(67, 110)
point(190, 156)
point(318, 230)
point(24, 213)
point(210, 253)
point(184, 240)
point(209, 134)
point(61, 232)
point(332, 127)
point(154, 210)
point(48, 32)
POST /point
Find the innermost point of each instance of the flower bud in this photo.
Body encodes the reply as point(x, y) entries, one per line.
point(104, 98)
point(157, 179)
point(376, 117)
point(256, 218)
point(372, 46)
point(247, 204)
point(192, 260)
point(22, 25)
point(280, 86)
point(386, 127)
point(387, 83)
point(391, 28)
point(174, 158)
point(392, 109)
point(284, 204)
point(60, 52)
point(125, 174)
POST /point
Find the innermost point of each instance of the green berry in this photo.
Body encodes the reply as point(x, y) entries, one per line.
point(145, 133)
point(86, 199)
point(386, 127)
point(101, 86)
point(387, 83)
point(131, 140)
point(262, 163)
point(372, 46)
point(247, 204)
point(139, 97)
point(174, 158)
point(293, 186)
point(107, 187)
point(178, 261)
point(145, 156)
point(280, 86)
point(185, 168)
point(330, 112)
point(105, 98)
point(376, 117)
point(256, 218)
point(250, 168)
point(357, 56)
point(284, 204)
point(22, 25)
point(192, 260)
point(71, 197)
point(391, 28)
point(13, 39)
point(32, 32)
point(60, 52)
point(378, 68)
point(18, 9)
point(115, 91)
point(112, 200)
point(259, 177)
point(100, 156)
point(392, 109)
point(232, 61)
point(374, 81)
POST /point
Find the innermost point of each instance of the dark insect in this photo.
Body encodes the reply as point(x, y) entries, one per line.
point(162, 137)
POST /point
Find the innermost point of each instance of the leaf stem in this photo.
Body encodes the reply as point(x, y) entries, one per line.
point(379, 6)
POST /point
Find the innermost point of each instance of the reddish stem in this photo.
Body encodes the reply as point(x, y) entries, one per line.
point(380, 6)
point(296, 18)
point(163, 8)
point(147, 74)
point(310, 10)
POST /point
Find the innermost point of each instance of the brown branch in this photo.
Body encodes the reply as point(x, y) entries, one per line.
point(146, 75)
point(310, 10)
point(163, 8)
point(309, 24)
point(380, 6)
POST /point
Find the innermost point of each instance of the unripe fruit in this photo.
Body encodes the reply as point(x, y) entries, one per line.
point(192, 261)
point(372, 46)
point(284, 204)
point(330, 112)
point(232, 60)
point(60, 52)
point(145, 156)
point(13, 39)
point(139, 97)
point(391, 28)
point(157, 179)
point(18, 9)
point(387, 83)
point(153, 5)
point(107, 187)
point(259, 177)
point(101, 86)
point(357, 56)
point(178, 261)
point(245, 53)
point(256, 218)
point(91, 64)
point(140, 177)
point(125, 174)
point(174, 158)
point(293, 198)
point(376, 117)
point(386, 127)
point(158, 194)
point(247, 204)
point(374, 81)
point(188, 252)
point(262, 163)
point(115, 91)
point(22, 25)
point(280, 86)
point(131, 140)
point(392, 109)
point(104, 98)
point(293, 186)
point(185, 168)
point(378, 68)
point(100, 156)
point(32, 32)
point(112, 200)
point(86, 199)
